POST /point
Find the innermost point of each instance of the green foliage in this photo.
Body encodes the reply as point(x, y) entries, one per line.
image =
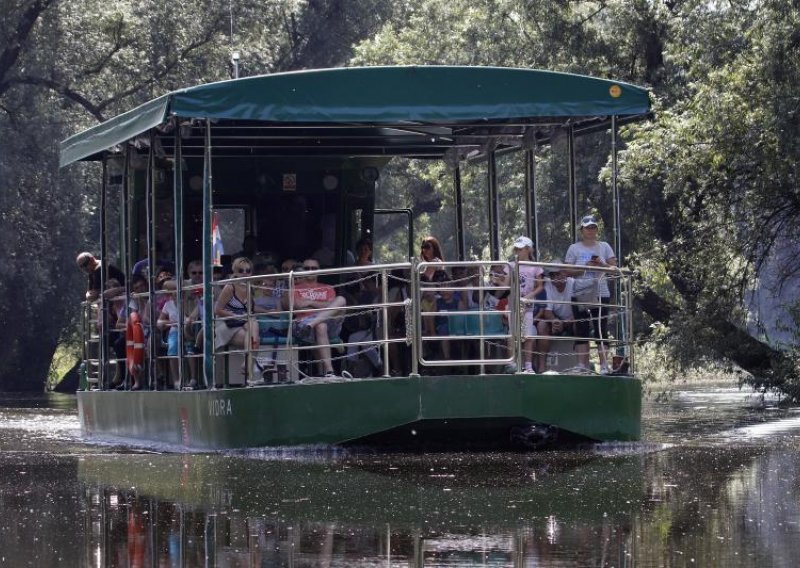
point(716, 173)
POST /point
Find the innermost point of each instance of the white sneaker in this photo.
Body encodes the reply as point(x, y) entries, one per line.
point(529, 371)
point(330, 375)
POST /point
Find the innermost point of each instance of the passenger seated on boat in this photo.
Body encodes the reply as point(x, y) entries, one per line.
point(497, 300)
point(195, 320)
point(317, 327)
point(267, 301)
point(446, 301)
point(117, 321)
point(91, 267)
point(361, 325)
point(236, 330)
point(469, 300)
point(558, 317)
point(139, 300)
point(363, 252)
point(282, 284)
point(168, 321)
point(161, 299)
point(265, 296)
point(192, 297)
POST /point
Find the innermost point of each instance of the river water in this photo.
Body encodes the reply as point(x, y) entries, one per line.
point(716, 482)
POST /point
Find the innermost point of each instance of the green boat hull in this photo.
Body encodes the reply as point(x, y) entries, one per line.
point(403, 411)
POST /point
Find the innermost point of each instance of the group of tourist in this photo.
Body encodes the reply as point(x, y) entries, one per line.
point(561, 301)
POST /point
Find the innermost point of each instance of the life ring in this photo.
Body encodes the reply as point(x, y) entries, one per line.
point(134, 344)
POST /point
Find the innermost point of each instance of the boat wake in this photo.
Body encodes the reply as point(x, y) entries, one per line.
point(618, 449)
point(42, 425)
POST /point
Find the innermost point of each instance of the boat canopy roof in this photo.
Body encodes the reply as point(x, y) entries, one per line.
point(419, 110)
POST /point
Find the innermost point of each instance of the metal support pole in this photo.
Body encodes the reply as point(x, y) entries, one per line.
point(573, 188)
point(386, 323)
point(615, 193)
point(622, 327)
point(150, 199)
point(459, 199)
point(494, 206)
point(531, 203)
point(178, 230)
point(208, 297)
point(104, 347)
point(126, 243)
point(416, 342)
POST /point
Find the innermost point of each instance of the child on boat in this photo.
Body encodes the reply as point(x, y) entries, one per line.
point(531, 287)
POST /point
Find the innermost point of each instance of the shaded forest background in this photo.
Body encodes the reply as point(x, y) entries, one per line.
point(710, 186)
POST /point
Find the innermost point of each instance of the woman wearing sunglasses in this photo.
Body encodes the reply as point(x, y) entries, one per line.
point(236, 330)
point(430, 251)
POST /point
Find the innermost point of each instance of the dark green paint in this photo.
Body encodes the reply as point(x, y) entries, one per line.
point(600, 408)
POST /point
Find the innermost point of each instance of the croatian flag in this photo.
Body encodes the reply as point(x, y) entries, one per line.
point(216, 242)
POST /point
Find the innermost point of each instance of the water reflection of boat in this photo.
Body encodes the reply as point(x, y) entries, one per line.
point(653, 509)
point(365, 510)
point(414, 491)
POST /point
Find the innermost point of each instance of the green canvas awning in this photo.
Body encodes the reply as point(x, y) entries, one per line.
point(114, 131)
point(380, 96)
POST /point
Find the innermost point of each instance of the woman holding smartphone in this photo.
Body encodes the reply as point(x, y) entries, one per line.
point(591, 287)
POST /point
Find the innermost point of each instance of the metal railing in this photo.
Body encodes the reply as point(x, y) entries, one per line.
point(468, 317)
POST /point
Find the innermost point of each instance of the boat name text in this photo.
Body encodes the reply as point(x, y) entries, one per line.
point(220, 407)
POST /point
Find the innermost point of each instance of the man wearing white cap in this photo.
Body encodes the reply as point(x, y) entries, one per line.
point(530, 287)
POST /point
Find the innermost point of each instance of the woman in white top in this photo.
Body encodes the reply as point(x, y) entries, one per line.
point(591, 286)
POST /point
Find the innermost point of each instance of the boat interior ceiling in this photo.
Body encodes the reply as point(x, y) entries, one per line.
point(248, 139)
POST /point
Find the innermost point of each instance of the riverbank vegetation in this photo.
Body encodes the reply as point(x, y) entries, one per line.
point(710, 185)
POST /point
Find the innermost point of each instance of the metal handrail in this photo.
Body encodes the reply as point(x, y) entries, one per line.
point(512, 336)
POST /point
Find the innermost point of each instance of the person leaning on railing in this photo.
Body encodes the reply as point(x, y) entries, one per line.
point(90, 266)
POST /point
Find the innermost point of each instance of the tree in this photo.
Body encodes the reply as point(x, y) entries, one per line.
point(720, 166)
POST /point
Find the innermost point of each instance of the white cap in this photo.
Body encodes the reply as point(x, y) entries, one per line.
point(588, 221)
point(523, 242)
